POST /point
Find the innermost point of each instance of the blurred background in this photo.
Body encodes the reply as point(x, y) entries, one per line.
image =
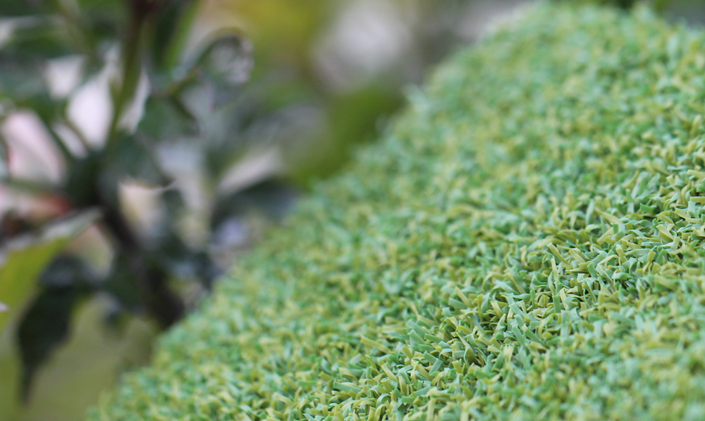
point(144, 144)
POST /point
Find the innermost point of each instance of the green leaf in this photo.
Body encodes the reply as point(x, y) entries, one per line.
point(36, 36)
point(45, 326)
point(220, 66)
point(172, 31)
point(25, 258)
point(228, 57)
point(17, 8)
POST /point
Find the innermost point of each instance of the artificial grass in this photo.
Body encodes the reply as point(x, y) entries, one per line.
point(525, 243)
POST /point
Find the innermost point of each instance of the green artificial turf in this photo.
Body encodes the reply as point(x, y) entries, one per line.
point(526, 242)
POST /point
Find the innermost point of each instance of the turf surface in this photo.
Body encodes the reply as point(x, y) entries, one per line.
point(525, 243)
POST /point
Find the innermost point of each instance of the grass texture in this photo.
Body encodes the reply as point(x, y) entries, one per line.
point(525, 243)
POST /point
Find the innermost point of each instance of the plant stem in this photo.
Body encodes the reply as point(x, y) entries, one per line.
point(162, 303)
point(131, 70)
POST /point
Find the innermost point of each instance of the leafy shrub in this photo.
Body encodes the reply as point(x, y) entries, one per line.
point(137, 51)
point(525, 243)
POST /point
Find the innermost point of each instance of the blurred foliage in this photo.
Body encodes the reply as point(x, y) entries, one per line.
point(287, 62)
point(625, 4)
point(24, 258)
point(670, 8)
point(138, 48)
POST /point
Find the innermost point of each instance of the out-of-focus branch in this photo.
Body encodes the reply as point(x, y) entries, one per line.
point(131, 69)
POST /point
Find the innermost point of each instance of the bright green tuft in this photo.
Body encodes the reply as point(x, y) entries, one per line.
point(525, 243)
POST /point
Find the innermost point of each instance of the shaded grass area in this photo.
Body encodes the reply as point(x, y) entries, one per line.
point(525, 242)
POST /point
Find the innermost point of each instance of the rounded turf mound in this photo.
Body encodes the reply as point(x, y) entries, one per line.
point(525, 243)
